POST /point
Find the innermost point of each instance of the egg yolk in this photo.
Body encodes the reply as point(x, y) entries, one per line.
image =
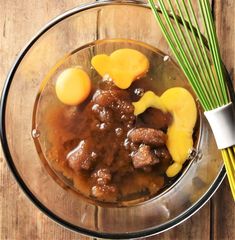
point(180, 103)
point(124, 66)
point(73, 86)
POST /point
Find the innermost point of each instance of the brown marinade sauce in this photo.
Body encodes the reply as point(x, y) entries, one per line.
point(110, 154)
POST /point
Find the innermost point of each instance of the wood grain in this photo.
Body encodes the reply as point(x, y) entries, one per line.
point(19, 218)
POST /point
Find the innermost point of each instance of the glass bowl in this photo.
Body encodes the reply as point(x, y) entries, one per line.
point(71, 30)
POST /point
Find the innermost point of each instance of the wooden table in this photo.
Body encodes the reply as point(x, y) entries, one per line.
point(19, 218)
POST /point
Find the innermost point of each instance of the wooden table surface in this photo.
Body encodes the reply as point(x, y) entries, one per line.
point(19, 218)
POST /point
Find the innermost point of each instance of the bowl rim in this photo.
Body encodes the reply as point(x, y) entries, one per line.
point(6, 151)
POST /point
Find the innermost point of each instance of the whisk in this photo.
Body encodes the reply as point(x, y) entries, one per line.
point(203, 68)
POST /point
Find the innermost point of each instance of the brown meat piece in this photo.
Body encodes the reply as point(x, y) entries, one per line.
point(144, 157)
point(109, 152)
point(103, 98)
point(105, 192)
point(103, 115)
point(148, 136)
point(114, 105)
point(115, 99)
point(120, 94)
point(106, 83)
point(102, 176)
point(125, 107)
point(82, 157)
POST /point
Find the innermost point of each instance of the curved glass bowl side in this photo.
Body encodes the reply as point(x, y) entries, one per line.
point(24, 184)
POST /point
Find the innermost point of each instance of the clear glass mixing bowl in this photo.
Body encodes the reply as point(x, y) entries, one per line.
point(69, 31)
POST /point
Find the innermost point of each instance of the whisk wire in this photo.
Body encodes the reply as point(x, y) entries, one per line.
point(191, 56)
point(178, 56)
point(213, 46)
point(205, 74)
point(230, 174)
point(232, 157)
point(177, 48)
point(197, 55)
point(202, 52)
point(208, 86)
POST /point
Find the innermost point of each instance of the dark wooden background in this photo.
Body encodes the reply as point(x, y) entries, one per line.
point(19, 218)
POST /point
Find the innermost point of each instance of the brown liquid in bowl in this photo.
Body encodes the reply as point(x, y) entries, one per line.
point(105, 152)
point(99, 151)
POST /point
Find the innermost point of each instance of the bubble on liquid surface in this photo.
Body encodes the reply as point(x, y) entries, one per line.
point(107, 78)
point(118, 131)
point(102, 126)
point(139, 92)
point(126, 143)
point(35, 133)
point(166, 58)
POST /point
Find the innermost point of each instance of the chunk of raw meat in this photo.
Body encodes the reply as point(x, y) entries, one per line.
point(114, 99)
point(102, 176)
point(104, 192)
point(103, 114)
point(82, 157)
point(144, 157)
point(148, 136)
